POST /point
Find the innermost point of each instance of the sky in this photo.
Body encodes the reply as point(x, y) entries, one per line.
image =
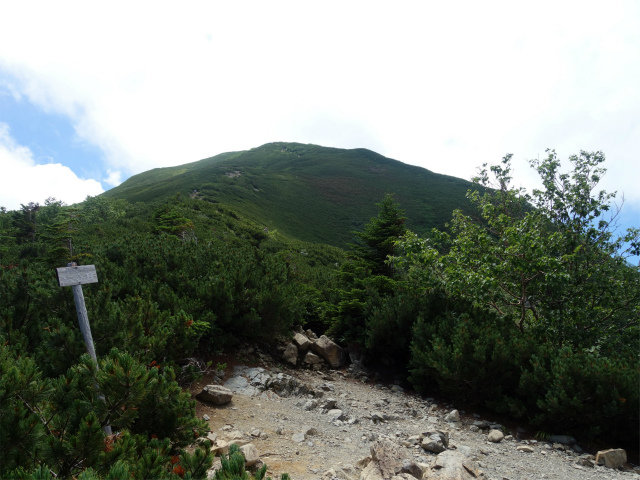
point(92, 93)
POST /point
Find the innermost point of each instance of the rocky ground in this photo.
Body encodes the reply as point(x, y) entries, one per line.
point(323, 425)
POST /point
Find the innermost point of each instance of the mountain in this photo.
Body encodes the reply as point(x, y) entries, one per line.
point(308, 192)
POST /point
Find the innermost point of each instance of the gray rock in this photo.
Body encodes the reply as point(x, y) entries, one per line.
point(241, 386)
point(464, 450)
point(312, 359)
point(299, 437)
point(563, 439)
point(451, 465)
point(215, 394)
point(336, 414)
point(328, 350)
point(612, 458)
point(495, 436)
point(310, 405)
point(220, 448)
point(403, 476)
point(482, 424)
point(377, 417)
point(290, 354)
point(329, 404)
point(250, 453)
point(412, 467)
point(301, 341)
point(434, 443)
point(453, 416)
point(525, 448)
point(586, 462)
point(386, 458)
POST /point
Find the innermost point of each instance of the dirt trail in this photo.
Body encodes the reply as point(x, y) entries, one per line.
point(270, 424)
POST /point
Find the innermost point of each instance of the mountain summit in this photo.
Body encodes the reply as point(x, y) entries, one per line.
point(309, 192)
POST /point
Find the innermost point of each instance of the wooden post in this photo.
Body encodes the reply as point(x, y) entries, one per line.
point(76, 276)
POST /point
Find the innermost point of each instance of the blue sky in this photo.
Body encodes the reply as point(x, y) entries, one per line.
point(91, 95)
point(50, 136)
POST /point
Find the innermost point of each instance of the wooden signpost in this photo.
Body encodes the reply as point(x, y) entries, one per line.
point(75, 276)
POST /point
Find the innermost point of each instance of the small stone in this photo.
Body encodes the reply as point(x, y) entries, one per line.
point(310, 405)
point(495, 436)
point(205, 417)
point(525, 448)
point(298, 437)
point(335, 414)
point(329, 404)
point(453, 416)
point(433, 444)
point(586, 462)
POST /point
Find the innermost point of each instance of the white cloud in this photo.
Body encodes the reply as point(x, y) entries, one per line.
point(447, 86)
point(24, 181)
point(113, 179)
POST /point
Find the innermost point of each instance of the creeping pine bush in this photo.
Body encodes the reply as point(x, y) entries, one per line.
point(479, 357)
point(233, 468)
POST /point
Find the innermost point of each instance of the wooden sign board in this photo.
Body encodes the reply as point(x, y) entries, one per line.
point(69, 276)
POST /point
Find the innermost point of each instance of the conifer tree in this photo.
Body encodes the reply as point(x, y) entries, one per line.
point(367, 277)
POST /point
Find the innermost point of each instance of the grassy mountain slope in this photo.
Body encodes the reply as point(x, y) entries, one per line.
point(308, 192)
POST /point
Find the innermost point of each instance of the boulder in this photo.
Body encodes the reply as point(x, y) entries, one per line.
point(452, 465)
point(290, 354)
point(328, 350)
point(312, 359)
point(250, 453)
point(301, 341)
point(612, 458)
point(495, 436)
point(216, 394)
point(386, 457)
